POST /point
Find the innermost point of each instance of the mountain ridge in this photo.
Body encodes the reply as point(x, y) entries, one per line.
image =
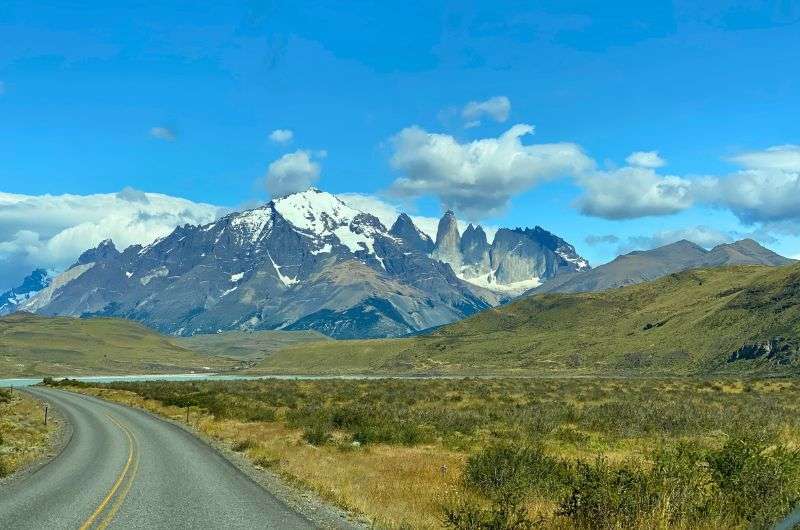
point(645, 265)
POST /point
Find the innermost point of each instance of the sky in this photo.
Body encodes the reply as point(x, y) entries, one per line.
point(616, 125)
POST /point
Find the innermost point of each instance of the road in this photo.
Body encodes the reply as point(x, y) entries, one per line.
point(123, 468)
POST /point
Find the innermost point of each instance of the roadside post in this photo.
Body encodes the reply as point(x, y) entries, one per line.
point(45, 413)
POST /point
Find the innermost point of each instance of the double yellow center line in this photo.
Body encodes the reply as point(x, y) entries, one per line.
point(105, 513)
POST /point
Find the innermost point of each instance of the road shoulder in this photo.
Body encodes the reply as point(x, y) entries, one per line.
point(58, 441)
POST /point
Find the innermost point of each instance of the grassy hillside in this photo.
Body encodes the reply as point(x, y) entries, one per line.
point(32, 345)
point(247, 345)
point(688, 322)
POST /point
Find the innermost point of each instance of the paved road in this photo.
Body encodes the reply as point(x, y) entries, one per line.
point(126, 469)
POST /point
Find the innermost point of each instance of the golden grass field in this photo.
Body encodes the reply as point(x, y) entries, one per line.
point(409, 484)
point(23, 435)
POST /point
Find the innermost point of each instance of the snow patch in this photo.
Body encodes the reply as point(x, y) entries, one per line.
point(488, 281)
point(236, 277)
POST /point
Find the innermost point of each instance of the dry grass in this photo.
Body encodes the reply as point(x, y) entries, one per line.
point(405, 482)
point(23, 435)
point(394, 487)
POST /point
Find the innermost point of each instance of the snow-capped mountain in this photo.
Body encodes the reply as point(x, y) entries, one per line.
point(304, 261)
point(515, 261)
point(12, 299)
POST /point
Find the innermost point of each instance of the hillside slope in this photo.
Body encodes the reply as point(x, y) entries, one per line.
point(247, 345)
point(33, 345)
point(736, 319)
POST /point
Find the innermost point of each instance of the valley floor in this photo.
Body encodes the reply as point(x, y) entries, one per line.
point(502, 453)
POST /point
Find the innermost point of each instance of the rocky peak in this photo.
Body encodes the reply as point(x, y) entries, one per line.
point(32, 284)
point(102, 252)
point(405, 229)
point(474, 247)
point(448, 240)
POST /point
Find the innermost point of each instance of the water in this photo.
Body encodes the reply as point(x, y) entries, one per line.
point(30, 381)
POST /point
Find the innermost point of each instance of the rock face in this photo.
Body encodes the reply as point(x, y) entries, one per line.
point(11, 300)
point(305, 261)
point(412, 236)
point(643, 266)
point(448, 241)
point(780, 350)
point(515, 261)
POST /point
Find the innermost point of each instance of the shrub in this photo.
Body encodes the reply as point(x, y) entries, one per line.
point(606, 497)
point(5, 395)
point(5, 467)
point(756, 482)
point(506, 470)
point(506, 513)
point(316, 435)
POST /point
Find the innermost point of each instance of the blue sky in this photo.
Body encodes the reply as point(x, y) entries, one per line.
point(180, 98)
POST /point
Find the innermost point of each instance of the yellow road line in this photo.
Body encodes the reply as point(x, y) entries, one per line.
point(124, 493)
point(90, 521)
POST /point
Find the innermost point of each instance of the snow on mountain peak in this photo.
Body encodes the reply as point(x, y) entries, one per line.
point(253, 223)
point(322, 214)
point(315, 211)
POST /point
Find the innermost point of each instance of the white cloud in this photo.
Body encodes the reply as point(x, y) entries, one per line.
point(163, 133)
point(649, 159)
point(387, 213)
point(631, 192)
point(478, 178)
point(281, 136)
point(766, 190)
point(51, 231)
point(293, 172)
point(497, 108)
point(779, 157)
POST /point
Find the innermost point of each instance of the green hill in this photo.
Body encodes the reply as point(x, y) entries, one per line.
point(247, 345)
point(33, 345)
point(743, 319)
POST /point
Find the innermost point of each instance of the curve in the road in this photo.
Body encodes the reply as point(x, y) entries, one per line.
point(124, 468)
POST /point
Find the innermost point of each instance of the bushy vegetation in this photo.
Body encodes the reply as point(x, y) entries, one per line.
point(609, 453)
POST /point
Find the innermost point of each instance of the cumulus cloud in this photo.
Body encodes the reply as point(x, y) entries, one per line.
point(649, 159)
point(51, 231)
point(633, 191)
point(497, 108)
point(779, 157)
point(478, 178)
point(387, 213)
point(163, 133)
point(766, 190)
point(281, 136)
point(293, 172)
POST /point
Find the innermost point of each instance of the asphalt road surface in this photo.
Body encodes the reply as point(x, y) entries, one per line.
point(126, 469)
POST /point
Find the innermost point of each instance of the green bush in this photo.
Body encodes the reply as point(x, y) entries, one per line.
point(757, 483)
point(506, 513)
point(316, 435)
point(507, 470)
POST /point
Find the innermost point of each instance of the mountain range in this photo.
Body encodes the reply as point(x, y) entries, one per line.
point(303, 261)
point(309, 261)
point(643, 266)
